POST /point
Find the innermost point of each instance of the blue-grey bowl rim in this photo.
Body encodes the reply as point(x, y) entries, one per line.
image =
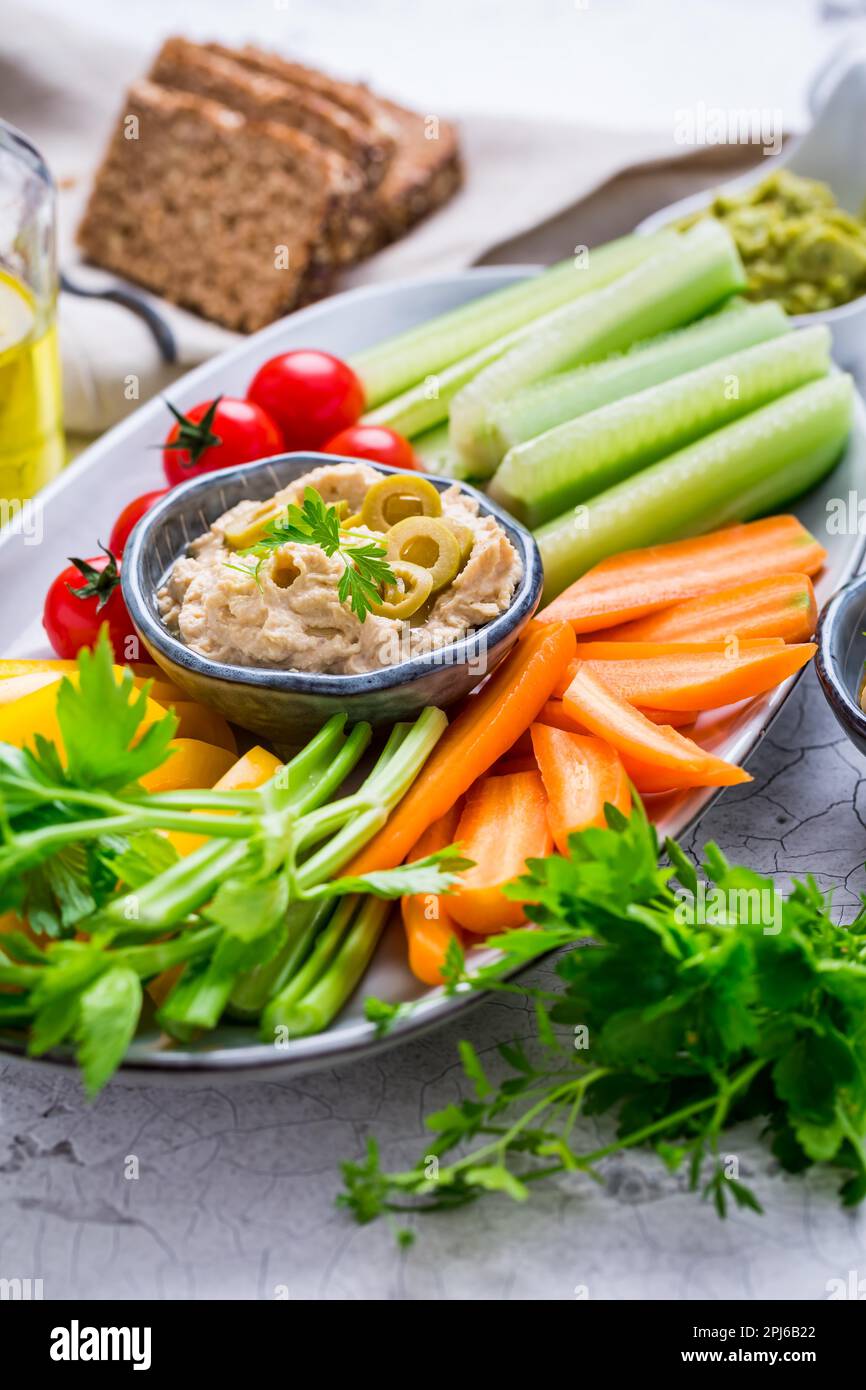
point(837, 693)
point(522, 606)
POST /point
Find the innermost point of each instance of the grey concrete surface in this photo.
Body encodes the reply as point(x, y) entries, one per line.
point(236, 1186)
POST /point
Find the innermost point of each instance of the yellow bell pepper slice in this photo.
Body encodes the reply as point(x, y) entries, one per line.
point(36, 713)
point(16, 687)
point(190, 765)
point(41, 671)
point(199, 722)
point(249, 772)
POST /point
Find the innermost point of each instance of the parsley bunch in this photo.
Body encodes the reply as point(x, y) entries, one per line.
point(365, 566)
point(689, 1027)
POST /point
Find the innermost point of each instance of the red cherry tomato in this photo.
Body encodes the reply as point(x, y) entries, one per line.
point(218, 434)
point(132, 513)
point(311, 395)
point(374, 442)
point(82, 598)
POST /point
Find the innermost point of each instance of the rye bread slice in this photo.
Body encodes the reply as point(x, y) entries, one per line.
point(380, 127)
point(423, 169)
point(425, 172)
point(194, 68)
point(198, 202)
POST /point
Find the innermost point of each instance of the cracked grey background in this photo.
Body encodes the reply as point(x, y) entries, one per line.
point(235, 1197)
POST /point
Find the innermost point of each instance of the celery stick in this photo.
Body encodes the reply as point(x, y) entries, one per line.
point(252, 990)
point(674, 286)
point(320, 1004)
point(549, 403)
point(540, 479)
point(739, 472)
point(325, 949)
point(390, 367)
point(426, 404)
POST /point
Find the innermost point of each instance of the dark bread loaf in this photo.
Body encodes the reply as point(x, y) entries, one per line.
point(208, 73)
point(381, 129)
point(425, 172)
point(240, 153)
point(198, 205)
point(424, 169)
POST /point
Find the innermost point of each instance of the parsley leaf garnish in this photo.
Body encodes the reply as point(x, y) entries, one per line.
point(365, 566)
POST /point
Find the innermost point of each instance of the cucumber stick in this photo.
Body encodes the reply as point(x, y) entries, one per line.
point(432, 449)
point(562, 397)
point(742, 471)
point(674, 286)
point(391, 367)
point(540, 479)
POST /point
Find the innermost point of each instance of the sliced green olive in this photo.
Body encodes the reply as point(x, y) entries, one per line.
point(243, 533)
point(465, 537)
point(426, 541)
point(398, 497)
point(411, 591)
point(421, 615)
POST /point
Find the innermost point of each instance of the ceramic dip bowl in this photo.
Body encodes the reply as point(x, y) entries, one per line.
point(283, 705)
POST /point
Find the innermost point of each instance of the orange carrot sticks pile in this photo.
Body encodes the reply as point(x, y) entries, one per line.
point(591, 704)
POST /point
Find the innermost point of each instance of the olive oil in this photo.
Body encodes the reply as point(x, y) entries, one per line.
point(31, 435)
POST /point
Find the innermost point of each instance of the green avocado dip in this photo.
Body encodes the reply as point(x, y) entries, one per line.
point(798, 246)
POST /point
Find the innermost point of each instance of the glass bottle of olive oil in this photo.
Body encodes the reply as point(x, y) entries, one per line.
point(31, 436)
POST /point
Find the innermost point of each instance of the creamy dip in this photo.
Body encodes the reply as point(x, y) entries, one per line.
point(301, 625)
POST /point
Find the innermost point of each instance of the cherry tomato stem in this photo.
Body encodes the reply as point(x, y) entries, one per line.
point(218, 434)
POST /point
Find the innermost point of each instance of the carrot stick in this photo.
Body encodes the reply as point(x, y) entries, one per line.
point(486, 727)
point(556, 716)
point(429, 927)
point(617, 649)
point(637, 582)
point(503, 824)
point(580, 774)
point(553, 713)
point(676, 718)
point(703, 680)
point(642, 651)
point(715, 773)
point(603, 711)
point(506, 766)
point(428, 938)
point(782, 605)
